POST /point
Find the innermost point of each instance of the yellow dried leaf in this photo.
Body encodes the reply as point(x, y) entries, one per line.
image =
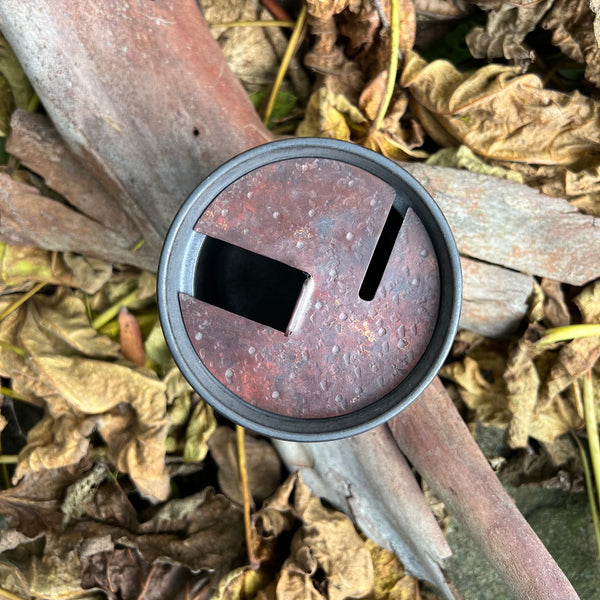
point(330, 115)
point(200, 428)
point(500, 114)
point(484, 395)
point(464, 158)
point(391, 582)
point(588, 302)
point(244, 584)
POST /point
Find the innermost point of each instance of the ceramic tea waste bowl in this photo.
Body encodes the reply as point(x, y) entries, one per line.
point(309, 289)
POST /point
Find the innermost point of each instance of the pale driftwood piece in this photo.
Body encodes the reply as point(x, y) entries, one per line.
point(495, 300)
point(142, 95)
point(513, 225)
point(29, 219)
point(437, 442)
point(36, 143)
point(369, 479)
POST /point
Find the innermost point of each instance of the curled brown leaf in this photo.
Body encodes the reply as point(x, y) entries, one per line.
point(502, 115)
point(572, 26)
point(507, 25)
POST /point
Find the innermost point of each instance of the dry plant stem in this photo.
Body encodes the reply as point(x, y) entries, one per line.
point(32, 292)
point(285, 62)
point(8, 459)
point(589, 486)
point(246, 495)
point(591, 426)
point(8, 392)
point(6, 595)
point(437, 442)
point(112, 311)
point(569, 332)
point(393, 65)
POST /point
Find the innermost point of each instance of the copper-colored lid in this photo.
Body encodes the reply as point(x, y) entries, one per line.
point(339, 351)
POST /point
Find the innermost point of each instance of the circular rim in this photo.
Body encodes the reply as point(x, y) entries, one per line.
point(177, 268)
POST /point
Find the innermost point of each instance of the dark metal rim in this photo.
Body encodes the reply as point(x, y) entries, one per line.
point(176, 274)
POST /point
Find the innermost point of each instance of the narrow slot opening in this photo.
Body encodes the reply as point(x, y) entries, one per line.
point(247, 284)
point(381, 255)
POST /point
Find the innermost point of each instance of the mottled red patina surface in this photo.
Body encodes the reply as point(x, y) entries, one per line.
point(340, 352)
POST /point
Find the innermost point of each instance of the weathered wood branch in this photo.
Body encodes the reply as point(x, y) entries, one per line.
point(513, 225)
point(437, 442)
point(494, 303)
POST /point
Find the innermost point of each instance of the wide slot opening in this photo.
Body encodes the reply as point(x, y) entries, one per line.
point(381, 255)
point(247, 284)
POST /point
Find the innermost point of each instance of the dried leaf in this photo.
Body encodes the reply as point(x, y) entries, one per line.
point(52, 572)
point(391, 581)
point(252, 53)
point(481, 385)
point(83, 393)
point(245, 583)
point(10, 68)
point(438, 10)
point(263, 465)
point(328, 559)
point(327, 554)
point(187, 544)
point(501, 115)
point(330, 115)
point(507, 25)
point(555, 310)
point(22, 264)
point(324, 9)
point(333, 69)
point(522, 386)
point(34, 505)
point(200, 429)
point(588, 302)
point(572, 25)
point(464, 158)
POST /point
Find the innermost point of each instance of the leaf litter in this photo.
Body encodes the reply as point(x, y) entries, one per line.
point(120, 422)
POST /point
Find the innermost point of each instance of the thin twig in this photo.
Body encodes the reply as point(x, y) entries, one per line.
point(276, 9)
point(589, 486)
point(393, 65)
point(245, 492)
point(285, 62)
point(9, 459)
point(10, 309)
point(228, 24)
point(591, 426)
